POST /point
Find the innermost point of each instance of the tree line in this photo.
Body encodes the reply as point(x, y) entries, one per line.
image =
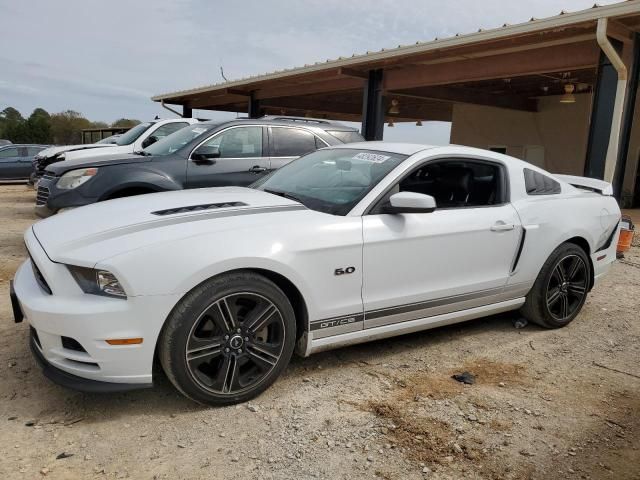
point(63, 128)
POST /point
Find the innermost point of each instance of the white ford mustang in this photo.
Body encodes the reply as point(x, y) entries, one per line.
point(345, 245)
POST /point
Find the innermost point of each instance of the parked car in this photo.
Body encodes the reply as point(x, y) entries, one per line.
point(139, 137)
point(16, 161)
point(5, 142)
point(345, 245)
point(207, 154)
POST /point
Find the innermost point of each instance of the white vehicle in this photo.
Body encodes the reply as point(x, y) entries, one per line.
point(135, 139)
point(345, 245)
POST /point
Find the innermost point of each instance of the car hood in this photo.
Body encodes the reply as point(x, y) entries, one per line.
point(85, 235)
point(52, 151)
point(105, 150)
point(101, 161)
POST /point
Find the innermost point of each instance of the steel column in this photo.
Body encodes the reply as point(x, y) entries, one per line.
point(253, 107)
point(373, 106)
point(601, 117)
point(627, 122)
point(187, 111)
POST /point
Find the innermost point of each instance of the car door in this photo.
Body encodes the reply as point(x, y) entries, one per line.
point(288, 143)
point(240, 158)
point(419, 265)
point(10, 165)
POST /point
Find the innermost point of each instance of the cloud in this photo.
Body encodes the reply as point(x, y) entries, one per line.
point(106, 61)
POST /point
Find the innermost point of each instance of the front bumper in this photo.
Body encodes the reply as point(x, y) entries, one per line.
point(50, 199)
point(72, 327)
point(74, 382)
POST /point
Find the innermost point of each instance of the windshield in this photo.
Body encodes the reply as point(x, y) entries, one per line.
point(133, 134)
point(176, 140)
point(331, 181)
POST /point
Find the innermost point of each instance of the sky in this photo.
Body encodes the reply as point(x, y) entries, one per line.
point(106, 60)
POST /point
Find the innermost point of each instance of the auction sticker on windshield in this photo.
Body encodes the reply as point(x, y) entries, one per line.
point(371, 157)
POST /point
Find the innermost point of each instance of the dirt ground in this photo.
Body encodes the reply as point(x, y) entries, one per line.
point(545, 405)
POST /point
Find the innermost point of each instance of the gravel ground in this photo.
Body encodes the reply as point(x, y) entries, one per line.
point(546, 404)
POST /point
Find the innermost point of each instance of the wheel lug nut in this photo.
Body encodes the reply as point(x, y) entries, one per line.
point(246, 339)
point(239, 330)
point(226, 337)
point(239, 350)
point(226, 350)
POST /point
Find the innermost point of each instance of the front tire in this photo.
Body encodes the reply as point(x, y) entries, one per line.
point(560, 290)
point(228, 339)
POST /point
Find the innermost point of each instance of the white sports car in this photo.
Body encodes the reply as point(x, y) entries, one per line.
point(345, 245)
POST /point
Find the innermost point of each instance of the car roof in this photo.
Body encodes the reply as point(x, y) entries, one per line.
point(285, 120)
point(391, 147)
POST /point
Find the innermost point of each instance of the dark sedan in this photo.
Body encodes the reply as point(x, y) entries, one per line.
point(205, 154)
point(16, 160)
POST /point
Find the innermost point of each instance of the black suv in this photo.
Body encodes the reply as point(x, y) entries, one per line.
point(205, 154)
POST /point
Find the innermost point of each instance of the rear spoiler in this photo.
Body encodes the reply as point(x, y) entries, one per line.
point(586, 183)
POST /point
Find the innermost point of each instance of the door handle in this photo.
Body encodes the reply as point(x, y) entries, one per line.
point(502, 227)
point(257, 169)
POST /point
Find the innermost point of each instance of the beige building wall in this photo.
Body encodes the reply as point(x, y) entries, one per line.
point(554, 138)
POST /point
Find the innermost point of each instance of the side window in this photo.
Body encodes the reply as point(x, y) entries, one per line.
point(241, 142)
point(9, 152)
point(538, 184)
point(456, 183)
point(168, 129)
point(33, 151)
point(292, 142)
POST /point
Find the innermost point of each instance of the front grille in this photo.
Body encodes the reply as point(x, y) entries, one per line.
point(39, 277)
point(42, 195)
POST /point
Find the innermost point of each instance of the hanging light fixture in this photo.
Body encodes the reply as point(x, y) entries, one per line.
point(394, 110)
point(568, 96)
point(419, 123)
point(391, 124)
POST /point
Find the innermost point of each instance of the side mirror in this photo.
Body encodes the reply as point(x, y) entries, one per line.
point(150, 140)
point(409, 202)
point(205, 153)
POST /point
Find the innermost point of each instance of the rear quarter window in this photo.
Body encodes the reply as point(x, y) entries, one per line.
point(346, 136)
point(536, 183)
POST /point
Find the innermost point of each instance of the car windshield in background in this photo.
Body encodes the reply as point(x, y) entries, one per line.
point(133, 134)
point(177, 140)
point(331, 181)
point(346, 136)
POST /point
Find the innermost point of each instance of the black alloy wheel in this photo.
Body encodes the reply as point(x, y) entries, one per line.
point(567, 287)
point(235, 343)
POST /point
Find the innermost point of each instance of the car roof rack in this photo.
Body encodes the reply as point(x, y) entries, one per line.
point(289, 118)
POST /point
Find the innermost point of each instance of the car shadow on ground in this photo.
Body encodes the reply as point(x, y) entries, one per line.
point(164, 399)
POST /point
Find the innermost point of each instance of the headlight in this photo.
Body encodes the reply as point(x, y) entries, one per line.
point(97, 282)
point(75, 178)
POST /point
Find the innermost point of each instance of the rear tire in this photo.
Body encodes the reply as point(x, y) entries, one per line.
point(228, 339)
point(560, 290)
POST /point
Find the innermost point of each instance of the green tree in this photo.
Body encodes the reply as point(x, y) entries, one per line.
point(12, 125)
point(66, 127)
point(125, 122)
point(39, 126)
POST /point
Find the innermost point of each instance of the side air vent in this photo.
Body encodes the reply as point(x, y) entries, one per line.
point(195, 208)
point(538, 184)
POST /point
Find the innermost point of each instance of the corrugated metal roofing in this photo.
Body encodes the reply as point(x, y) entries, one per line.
point(563, 19)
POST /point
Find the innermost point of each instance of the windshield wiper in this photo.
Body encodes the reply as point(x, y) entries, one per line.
point(280, 193)
point(142, 152)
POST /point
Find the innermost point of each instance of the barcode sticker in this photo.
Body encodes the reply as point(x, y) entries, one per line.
point(371, 157)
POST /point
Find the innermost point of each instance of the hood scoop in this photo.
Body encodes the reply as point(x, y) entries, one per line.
point(196, 208)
